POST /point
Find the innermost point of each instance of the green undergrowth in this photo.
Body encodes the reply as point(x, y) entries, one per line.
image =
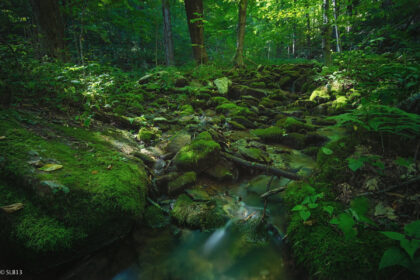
point(95, 187)
point(318, 245)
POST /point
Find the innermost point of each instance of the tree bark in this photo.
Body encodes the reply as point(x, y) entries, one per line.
point(337, 34)
point(239, 56)
point(194, 10)
point(50, 22)
point(326, 33)
point(167, 33)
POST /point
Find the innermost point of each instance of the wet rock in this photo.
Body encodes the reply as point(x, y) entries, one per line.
point(222, 85)
point(198, 155)
point(222, 171)
point(183, 181)
point(178, 141)
point(155, 217)
point(198, 194)
point(201, 215)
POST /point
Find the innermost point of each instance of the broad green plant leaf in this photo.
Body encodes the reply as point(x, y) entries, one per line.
point(50, 167)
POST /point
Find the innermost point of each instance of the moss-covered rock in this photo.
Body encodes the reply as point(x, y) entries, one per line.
point(199, 155)
point(95, 194)
point(231, 109)
point(221, 171)
point(320, 95)
point(236, 125)
point(270, 134)
point(183, 181)
point(222, 85)
point(293, 125)
point(202, 215)
point(147, 135)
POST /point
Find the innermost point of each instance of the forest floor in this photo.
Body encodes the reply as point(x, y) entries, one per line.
point(182, 150)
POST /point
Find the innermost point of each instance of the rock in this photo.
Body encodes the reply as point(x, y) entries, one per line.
point(155, 217)
point(198, 215)
point(254, 154)
point(231, 109)
point(181, 82)
point(179, 184)
point(222, 85)
point(222, 171)
point(270, 134)
point(97, 195)
point(237, 91)
point(338, 105)
point(198, 195)
point(147, 135)
point(320, 95)
point(236, 125)
point(199, 155)
point(293, 125)
point(259, 184)
point(178, 141)
point(243, 121)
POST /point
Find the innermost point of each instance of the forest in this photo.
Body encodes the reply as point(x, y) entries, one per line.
point(209, 140)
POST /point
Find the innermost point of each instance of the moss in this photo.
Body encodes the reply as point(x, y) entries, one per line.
point(269, 103)
point(155, 217)
point(293, 125)
point(183, 181)
point(320, 95)
point(236, 125)
point(103, 185)
point(147, 135)
point(272, 133)
point(231, 109)
point(205, 135)
point(199, 155)
point(201, 215)
point(219, 100)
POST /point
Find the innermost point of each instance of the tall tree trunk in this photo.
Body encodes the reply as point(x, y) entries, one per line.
point(167, 33)
point(50, 22)
point(308, 30)
point(239, 56)
point(194, 9)
point(337, 34)
point(294, 31)
point(326, 32)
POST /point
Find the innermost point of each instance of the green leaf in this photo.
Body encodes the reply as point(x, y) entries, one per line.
point(326, 151)
point(403, 162)
point(393, 235)
point(394, 256)
point(299, 208)
point(50, 167)
point(328, 209)
point(360, 205)
point(305, 215)
point(410, 246)
point(345, 222)
point(356, 163)
point(313, 205)
point(413, 229)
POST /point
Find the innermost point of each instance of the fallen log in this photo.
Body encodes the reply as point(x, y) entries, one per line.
point(272, 192)
point(269, 169)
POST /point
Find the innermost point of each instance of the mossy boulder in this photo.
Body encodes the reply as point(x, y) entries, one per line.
point(222, 171)
point(147, 135)
point(95, 195)
point(183, 181)
point(231, 109)
point(199, 155)
point(222, 85)
point(320, 95)
point(270, 134)
point(199, 215)
point(338, 105)
point(293, 125)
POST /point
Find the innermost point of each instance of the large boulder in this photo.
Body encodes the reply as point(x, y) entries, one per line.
point(77, 188)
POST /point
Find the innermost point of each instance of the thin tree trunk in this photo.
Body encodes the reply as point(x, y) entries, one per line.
point(49, 20)
point(194, 10)
point(239, 56)
point(294, 32)
point(337, 34)
point(167, 33)
point(308, 30)
point(326, 33)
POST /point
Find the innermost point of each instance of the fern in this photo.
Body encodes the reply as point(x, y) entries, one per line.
point(381, 119)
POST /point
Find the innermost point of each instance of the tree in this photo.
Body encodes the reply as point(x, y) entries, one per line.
point(326, 32)
point(337, 33)
point(167, 33)
point(194, 10)
point(239, 56)
point(48, 17)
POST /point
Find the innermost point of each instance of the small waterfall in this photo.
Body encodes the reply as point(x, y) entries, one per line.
point(215, 238)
